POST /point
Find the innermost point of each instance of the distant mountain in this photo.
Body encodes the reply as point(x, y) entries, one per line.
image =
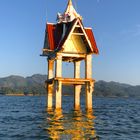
point(13, 81)
point(36, 79)
point(103, 88)
point(35, 85)
point(17, 84)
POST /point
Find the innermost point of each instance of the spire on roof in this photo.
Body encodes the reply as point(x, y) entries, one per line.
point(69, 2)
point(69, 15)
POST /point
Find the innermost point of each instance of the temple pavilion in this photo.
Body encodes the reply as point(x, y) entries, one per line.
point(69, 41)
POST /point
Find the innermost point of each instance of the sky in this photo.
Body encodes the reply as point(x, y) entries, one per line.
point(116, 27)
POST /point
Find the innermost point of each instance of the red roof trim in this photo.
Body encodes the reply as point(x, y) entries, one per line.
point(50, 31)
point(92, 40)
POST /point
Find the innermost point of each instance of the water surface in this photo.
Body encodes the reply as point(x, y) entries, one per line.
point(26, 118)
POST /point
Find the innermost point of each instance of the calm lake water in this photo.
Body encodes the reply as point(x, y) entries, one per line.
point(25, 118)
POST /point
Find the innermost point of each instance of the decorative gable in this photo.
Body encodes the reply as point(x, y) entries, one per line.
point(75, 44)
point(70, 37)
point(77, 40)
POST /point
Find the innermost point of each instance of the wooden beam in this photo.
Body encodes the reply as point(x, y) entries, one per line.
point(77, 34)
point(73, 55)
point(70, 81)
point(74, 81)
point(47, 50)
point(77, 25)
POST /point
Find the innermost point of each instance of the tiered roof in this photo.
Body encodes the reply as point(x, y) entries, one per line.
point(69, 23)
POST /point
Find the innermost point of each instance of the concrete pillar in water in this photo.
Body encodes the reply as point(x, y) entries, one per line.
point(89, 91)
point(89, 85)
point(77, 88)
point(58, 96)
point(50, 85)
point(58, 84)
point(58, 66)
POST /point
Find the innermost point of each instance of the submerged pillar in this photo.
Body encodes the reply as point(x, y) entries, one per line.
point(50, 85)
point(58, 96)
point(58, 84)
point(77, 88)
point(89, 91)
point(89, 85)
point(58, 66)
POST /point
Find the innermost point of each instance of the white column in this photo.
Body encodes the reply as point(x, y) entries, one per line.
point(50, 96)
point(89, 91)
point(77, 88)
point(58, 84)
point(50, 68)
point(89, 85)
point(88, 66)
point(50, 86)
point(58, 96)
point(58, 68)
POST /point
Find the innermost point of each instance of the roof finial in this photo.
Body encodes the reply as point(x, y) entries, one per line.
point(69, 15)
point(69, 2)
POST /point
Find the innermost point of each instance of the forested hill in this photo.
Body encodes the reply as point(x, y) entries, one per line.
point(35, 85)
point(20, 85)
point(111, 89)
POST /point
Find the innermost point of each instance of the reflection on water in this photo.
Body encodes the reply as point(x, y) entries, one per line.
point(24, 118)
point(73, 125)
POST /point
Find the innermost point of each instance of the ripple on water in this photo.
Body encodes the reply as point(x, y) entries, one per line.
point(116, 118)
point(26, 118)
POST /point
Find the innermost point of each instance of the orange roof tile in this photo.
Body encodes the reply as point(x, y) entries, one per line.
point(92, 40)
